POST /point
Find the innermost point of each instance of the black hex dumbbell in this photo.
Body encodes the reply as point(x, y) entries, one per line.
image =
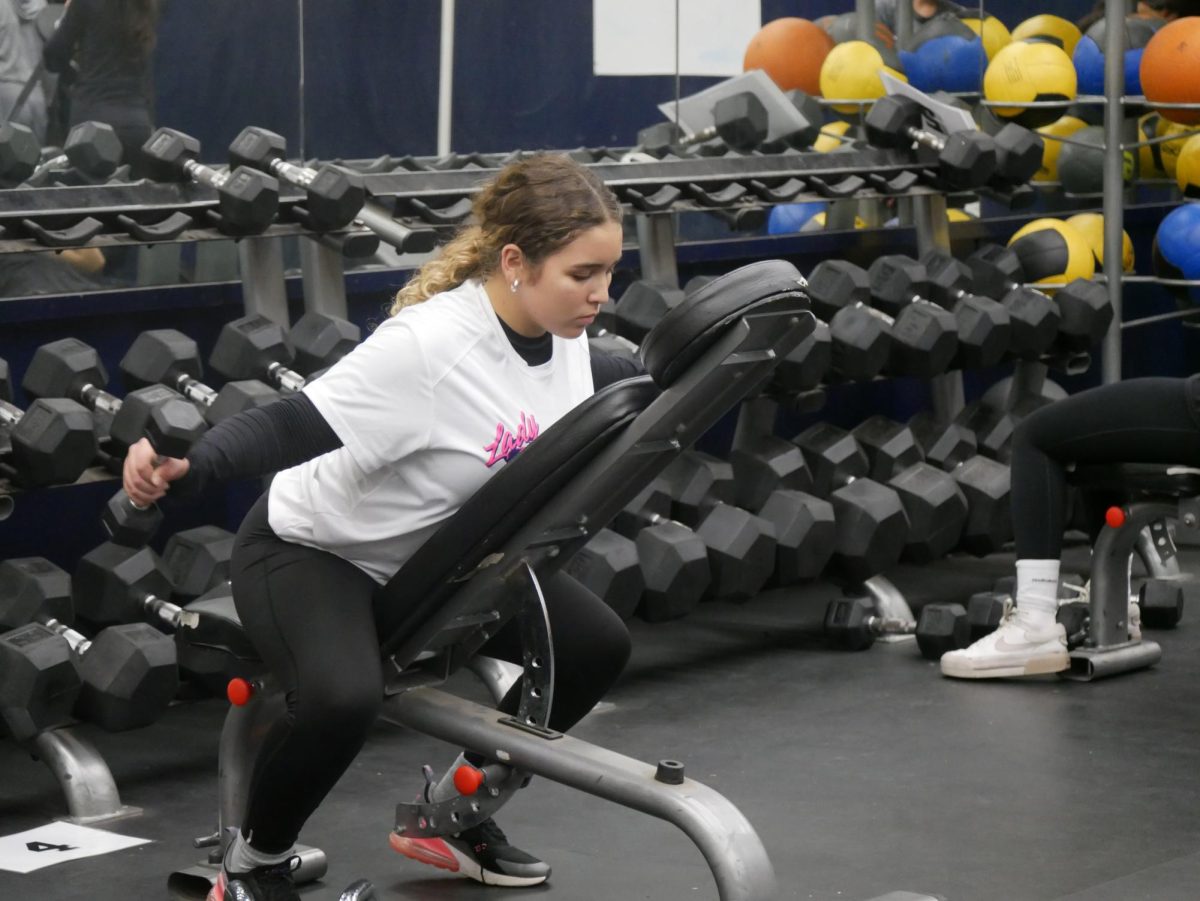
point(851, 624)
point(19, 153)
point(1033, 323)
point(896, 282)
point(197, 560)
point(804, 137)
point(983, 326)
point(334, 197)
point(247, 199)
point(965, 159)
point(319, 340)
point(171, 358)
point(51, 443)
point(92, 149)
point(1083, 305)
point(254, 347)
point(860, 337)
point(128, 673)
point(608, 566)
point(739, 120)
point(117, 584)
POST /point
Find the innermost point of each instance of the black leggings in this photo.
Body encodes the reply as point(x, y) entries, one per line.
point(310, 616)
point(1139, 421)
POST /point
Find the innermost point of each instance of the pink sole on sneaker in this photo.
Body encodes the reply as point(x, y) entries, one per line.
point(217, 892)
point(432, 851)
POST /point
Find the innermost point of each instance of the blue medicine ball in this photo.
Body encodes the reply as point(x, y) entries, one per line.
point(946, 63)
point(791, 217)
point(1177, 246)
point(1089, 54)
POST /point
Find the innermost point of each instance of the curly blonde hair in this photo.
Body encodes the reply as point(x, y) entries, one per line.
point(540, 204)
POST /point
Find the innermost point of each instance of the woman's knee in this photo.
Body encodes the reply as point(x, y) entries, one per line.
point(346, 705)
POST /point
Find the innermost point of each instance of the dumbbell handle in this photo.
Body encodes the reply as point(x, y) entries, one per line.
point(10, 414)
point(205, 174)
point(928, 138)
point(301, 176)
point(285, 378)
point(195, 390)
point(98, 399)
point(880, 625)
point(53, 163)
point(79, 642)
point(172, 614)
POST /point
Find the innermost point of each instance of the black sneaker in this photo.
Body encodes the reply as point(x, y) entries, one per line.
point(271, 883)
point(482, 853)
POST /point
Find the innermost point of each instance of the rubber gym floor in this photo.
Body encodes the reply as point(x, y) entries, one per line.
point(863, 773)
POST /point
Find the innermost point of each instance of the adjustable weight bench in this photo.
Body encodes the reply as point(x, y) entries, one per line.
point(1154, 495)
point(484, 565)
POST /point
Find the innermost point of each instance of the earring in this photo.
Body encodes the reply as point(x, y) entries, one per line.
point(516, 282)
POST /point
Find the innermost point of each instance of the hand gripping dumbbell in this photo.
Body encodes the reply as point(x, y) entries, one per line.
point(1083, 305)
point(983, 326)
point(171, 358)
point(965, 159)
point(739, 120)
point(247, 199)
point(334, 197)
point(51, 443)
point(851, 624)
point(92, 149)
point(128, 672)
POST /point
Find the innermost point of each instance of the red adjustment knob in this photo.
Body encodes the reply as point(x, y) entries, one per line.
point(1114, 517)
point(239, 692)
point(467, 779)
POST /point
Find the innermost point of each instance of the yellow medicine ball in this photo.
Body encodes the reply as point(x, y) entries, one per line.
point(817, 223)
point(1024, 72)
point(1049, 29)
point(1060, 128)
point(851, 72)
point(1149, 158)
point(1052, 252)
point(954, 214)
point(1168, 151)
point(828, 141)
point(1091, 226)
point(994, 32)
point(1187, 167)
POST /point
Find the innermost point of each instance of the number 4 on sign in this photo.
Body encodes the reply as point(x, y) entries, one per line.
point(46, 846)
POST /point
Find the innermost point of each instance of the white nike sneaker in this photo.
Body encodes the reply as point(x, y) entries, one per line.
point(1014, 649)
point(1135, 619)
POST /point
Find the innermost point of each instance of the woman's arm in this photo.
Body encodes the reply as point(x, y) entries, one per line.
point(61, 46)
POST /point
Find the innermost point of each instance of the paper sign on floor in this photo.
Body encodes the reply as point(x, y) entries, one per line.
point(54, 843)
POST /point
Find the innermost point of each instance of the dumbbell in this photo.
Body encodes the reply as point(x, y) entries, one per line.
point(91, 148)
point(197, 560)
point(128, 673)
point(334, 197)
point(608, 566)
point(116, 584)
point(70, 368)
point(1161, 602)
point(739, 120)
point(319, 340)
point(804, 137)
point(860, 338)
point(1018, 155)
point(51, 443)
point(642, 305)
point(171, 358)
point(1033, 323)
point(217, 648)
point(254, 347)
point(890, 278)
point(986, 609)
point(1083, 305)
point(851, 624)
point(39, 681)
point(247, 199)
point(983, 326)
point(19, 153)
point(741, 547)
point(966, 159)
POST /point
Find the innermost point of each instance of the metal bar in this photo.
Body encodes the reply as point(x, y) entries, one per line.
point(1114, 183)
point(324, 275)
point(87, 783)
point(730, 846)
point(1110, 573)
point(446, 79)
point(656, 246)
point(260, 261)
point(865, 12)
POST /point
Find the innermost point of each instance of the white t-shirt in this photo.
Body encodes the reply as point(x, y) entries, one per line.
point(428, 408)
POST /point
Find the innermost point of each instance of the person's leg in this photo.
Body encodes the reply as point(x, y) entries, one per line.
point(591, 647)
point(1139, 421)
point(309, 615)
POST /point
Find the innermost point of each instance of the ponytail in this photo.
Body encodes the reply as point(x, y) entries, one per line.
point(458, 261)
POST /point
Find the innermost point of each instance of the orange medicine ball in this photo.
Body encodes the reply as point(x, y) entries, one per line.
point(791, 52)
point(1170, 68)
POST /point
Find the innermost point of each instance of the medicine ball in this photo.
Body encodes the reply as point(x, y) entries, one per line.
point(995, 33)
point(1170, 68)
point(851, 72)
point(1052, 252)
point(1081, 162)
point(1089, 54)
point(791, 217)
point(1091, 226)
point(1049, 30)
point(1059, 128)
point(1149, 159)
point(1176, 248)
point(1024, 72)
point(844, 27)
point(1168, 151)
point(944, 55)
point(828, 141)
point(790, 51)
point(1187, 168)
